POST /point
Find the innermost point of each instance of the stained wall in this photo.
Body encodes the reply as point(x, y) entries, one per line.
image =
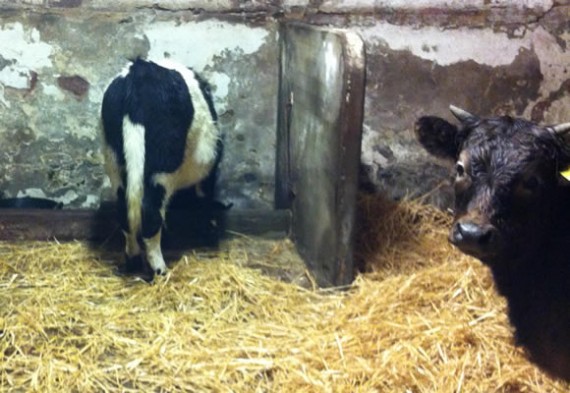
point(56, 57)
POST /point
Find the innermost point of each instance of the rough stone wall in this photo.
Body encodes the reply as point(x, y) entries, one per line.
point(56, 63)
point(490, 58)
point(57, 56)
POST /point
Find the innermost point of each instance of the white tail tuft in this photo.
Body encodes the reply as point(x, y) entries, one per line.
point(134, 149)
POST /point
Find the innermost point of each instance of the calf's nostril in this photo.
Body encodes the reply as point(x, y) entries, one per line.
point(471, 233)
point(469, 230)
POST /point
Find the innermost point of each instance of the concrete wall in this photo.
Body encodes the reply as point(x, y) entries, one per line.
point(57, 56)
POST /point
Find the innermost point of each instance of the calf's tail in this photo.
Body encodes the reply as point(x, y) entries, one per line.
point(134, 150)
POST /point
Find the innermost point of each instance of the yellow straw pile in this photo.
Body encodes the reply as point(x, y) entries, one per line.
point(422, 318)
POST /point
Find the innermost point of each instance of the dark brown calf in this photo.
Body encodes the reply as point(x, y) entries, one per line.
point(512, 211)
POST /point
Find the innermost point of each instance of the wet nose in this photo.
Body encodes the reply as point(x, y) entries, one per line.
point(472, 236)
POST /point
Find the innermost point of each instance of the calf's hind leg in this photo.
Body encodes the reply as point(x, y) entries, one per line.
point(154, 203)
point(133, 256)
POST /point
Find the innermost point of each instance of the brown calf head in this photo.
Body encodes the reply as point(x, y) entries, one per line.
point(506, 181)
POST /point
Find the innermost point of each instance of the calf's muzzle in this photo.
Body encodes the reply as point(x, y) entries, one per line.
point(473, 238)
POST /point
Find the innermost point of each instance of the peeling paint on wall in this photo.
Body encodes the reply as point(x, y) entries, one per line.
point(406, 81)
point(221, 83)
point(54, 70)
point(205, 40)
point(437, 4)
point(445, 47)
point(21, 52)
point(490, 56)
point(24, 46)
point(485, 47)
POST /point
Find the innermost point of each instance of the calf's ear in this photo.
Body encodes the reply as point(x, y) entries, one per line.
point(562, 132)
point(438, 137)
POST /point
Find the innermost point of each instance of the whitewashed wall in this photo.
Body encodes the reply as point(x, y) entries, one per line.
point(57, 56)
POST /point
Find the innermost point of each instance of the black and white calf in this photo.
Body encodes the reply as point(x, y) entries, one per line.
point(160, 135)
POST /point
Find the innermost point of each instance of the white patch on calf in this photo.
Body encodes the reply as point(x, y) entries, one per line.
point(132, 247)
point(154, 254)
point(134, 150)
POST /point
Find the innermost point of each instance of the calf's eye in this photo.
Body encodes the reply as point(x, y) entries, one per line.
point(459, 169)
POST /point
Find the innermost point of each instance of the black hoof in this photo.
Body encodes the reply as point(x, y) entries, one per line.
point(160, 272)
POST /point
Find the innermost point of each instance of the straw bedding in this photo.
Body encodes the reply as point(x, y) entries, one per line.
point(421, 318)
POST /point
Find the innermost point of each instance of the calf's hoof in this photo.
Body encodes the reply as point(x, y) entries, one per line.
point(161, 271)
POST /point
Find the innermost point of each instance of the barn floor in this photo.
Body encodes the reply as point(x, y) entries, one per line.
point(423, 318)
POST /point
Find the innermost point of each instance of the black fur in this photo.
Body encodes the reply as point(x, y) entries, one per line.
point(152, 202)
point(437, 136)
point(158, 99)
point(122, 209)
point(112, 113)
point(510, 182)
point(29, 203)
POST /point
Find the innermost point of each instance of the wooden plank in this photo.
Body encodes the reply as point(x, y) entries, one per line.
point(283, 192)
point(321, 111)
point(101, 225)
